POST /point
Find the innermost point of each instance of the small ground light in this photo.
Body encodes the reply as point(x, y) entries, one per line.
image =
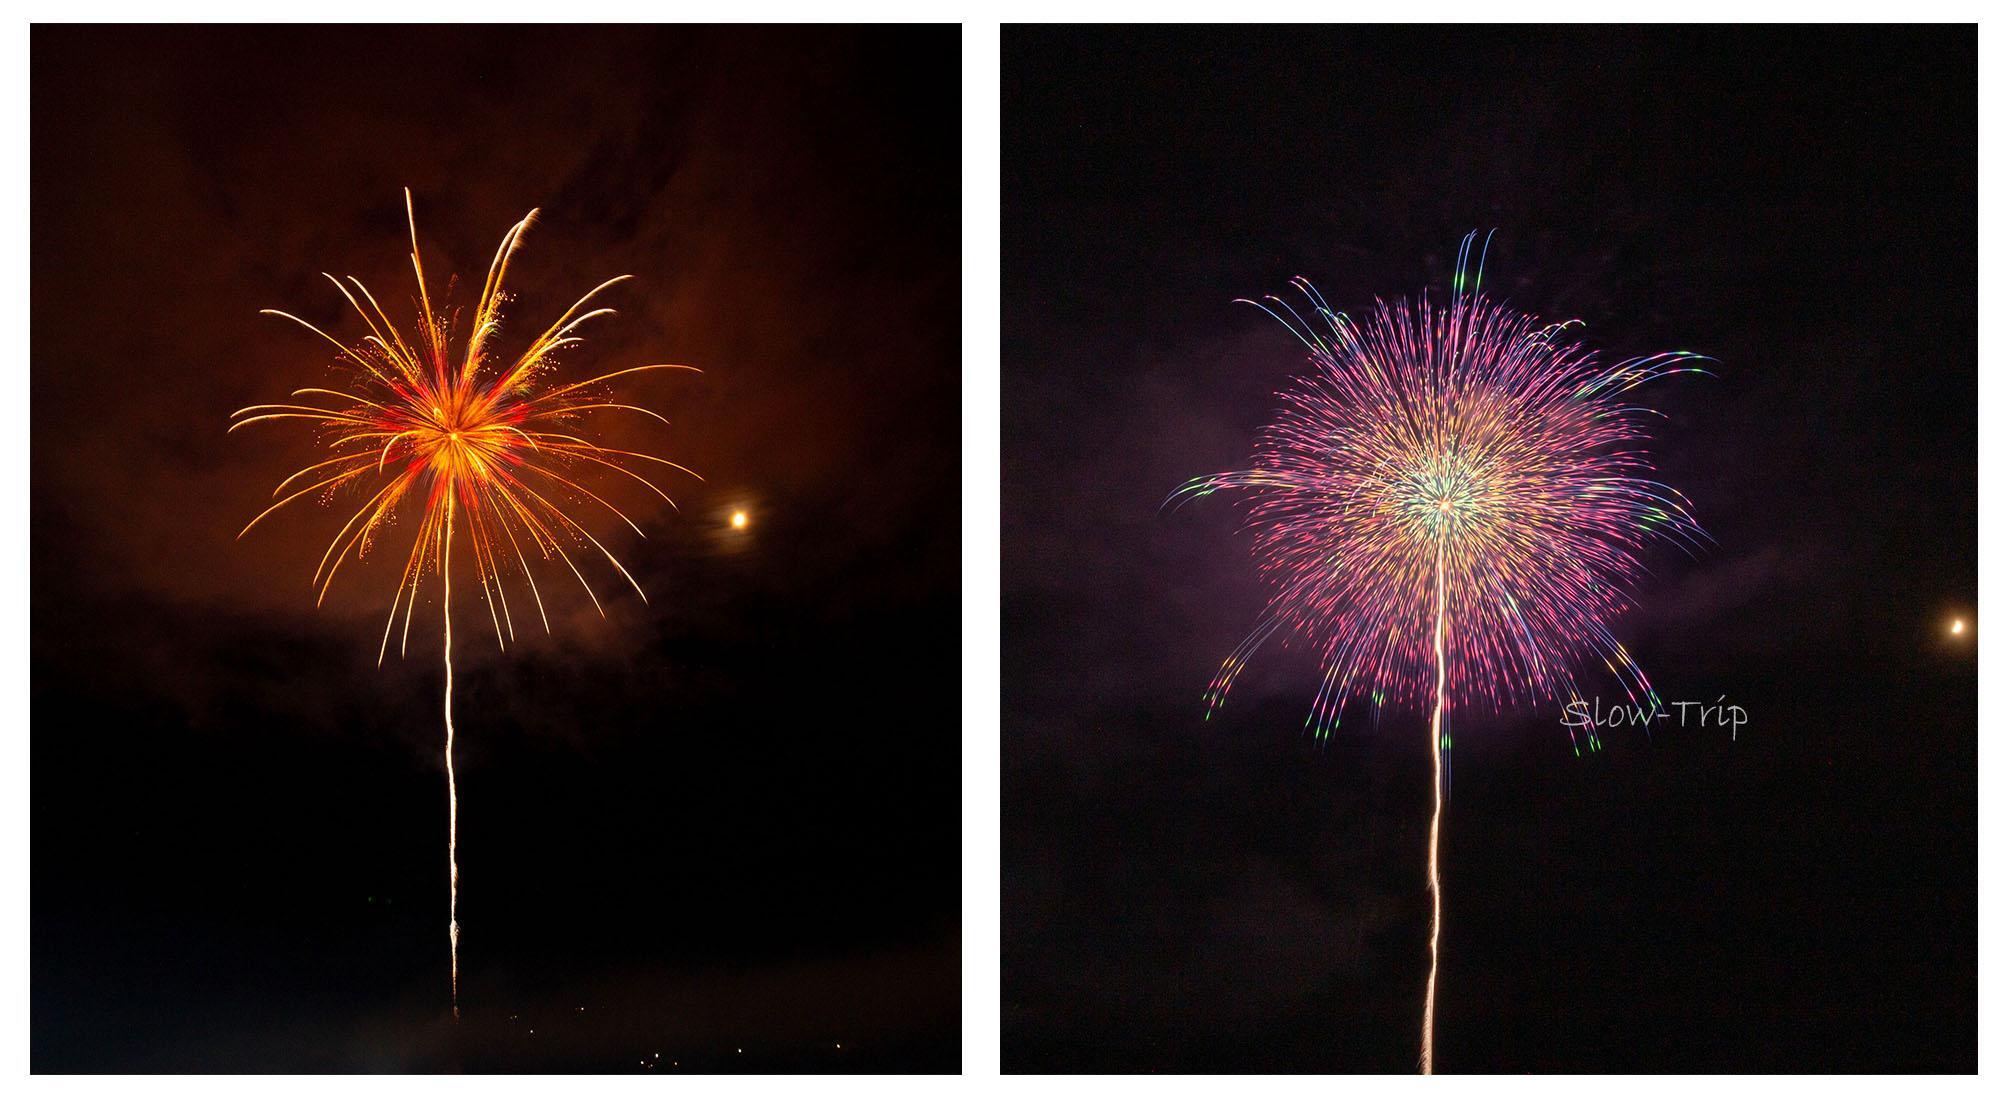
point(738, 520)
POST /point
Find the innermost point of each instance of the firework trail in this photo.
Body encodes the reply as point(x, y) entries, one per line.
point(468, 438)
point(1469, 457)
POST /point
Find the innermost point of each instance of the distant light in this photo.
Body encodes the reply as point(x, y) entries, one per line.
point(738, 520)
point(1958, 627)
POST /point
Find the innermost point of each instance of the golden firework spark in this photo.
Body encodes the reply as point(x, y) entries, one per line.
point(469, 439)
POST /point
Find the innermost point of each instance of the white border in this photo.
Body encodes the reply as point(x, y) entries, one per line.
point(980, 416)
point(980, 914)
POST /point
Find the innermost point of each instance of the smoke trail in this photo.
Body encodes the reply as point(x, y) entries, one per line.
point(450, 777)
point(1437, 817)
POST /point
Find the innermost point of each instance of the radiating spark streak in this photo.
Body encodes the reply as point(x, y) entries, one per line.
point(449, 433)
point(620, 373)
point(587, 406)
point(404, 361)
point(627, 471)
point(501, 517)
point(424, 534)
point(499, 588)
point(1473, 451)
point(335, 481)
point(317, 415)
point(585, 534)
point(579, 444)
point(341, 346)
point(427, 317)
point(309, 469)
point(586, 493)
point(336, 542)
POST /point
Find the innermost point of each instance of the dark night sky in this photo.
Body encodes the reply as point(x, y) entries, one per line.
point(727, 819)
point(1230, 895)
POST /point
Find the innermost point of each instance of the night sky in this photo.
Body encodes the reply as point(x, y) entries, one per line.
point(727, 819)
point(1233, 896)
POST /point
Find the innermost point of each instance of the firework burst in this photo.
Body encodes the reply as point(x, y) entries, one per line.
point(461, 443)
point(1459, 487)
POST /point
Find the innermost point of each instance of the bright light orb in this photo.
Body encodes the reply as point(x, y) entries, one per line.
point(738, 520)
point(1958, 627)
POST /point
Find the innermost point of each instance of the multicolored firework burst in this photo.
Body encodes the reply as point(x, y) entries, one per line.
point(1458, 488)
point(471, 444)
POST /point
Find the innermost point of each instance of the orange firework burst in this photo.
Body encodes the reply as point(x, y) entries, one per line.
point(476, 440)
